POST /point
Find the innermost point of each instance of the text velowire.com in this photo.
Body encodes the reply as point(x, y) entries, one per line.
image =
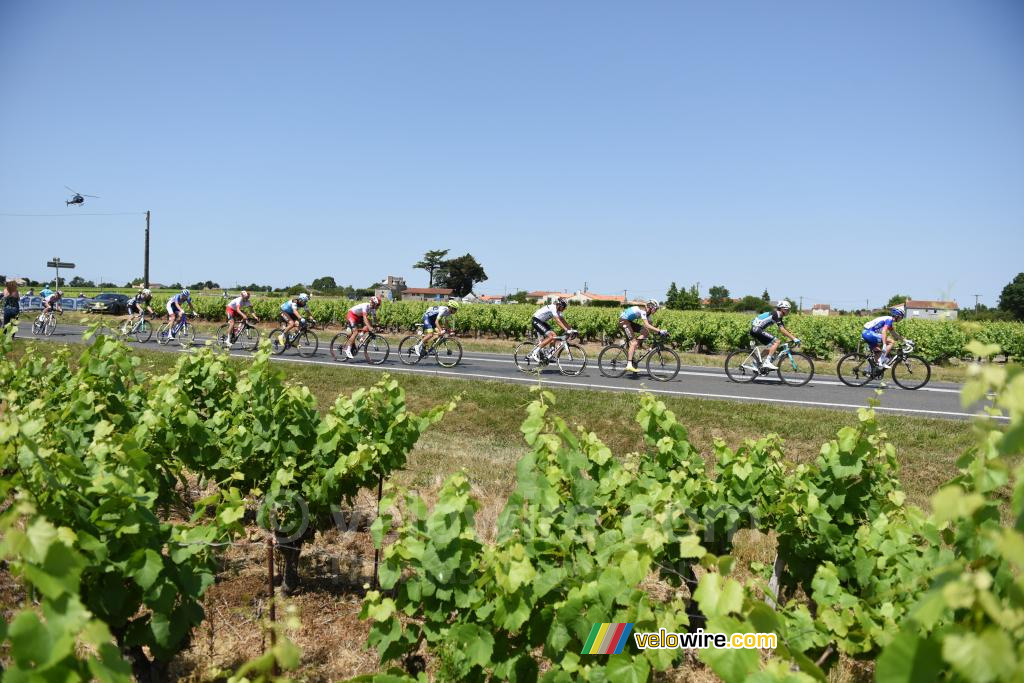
point(611, 638)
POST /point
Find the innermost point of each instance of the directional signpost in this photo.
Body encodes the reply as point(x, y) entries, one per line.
point(57, 264)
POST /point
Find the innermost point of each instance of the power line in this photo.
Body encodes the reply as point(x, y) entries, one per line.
point(73, 215)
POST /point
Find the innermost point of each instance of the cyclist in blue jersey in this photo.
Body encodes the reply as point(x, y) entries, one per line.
point(432, 318)
point(876, 334)
point(175, 308)
point(759, 331)
point(292, 312)
point(635, 322)
point(541, 324)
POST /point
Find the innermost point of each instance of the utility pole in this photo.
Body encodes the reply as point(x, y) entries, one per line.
point(801, 304)
point(145, 263)
point(976, 297)
point(867, 305)
point(624, 297)
point(584, 285)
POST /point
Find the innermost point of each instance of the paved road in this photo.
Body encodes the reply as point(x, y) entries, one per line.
point(937, 400)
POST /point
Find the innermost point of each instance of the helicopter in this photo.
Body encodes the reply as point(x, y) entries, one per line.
point(79, 198)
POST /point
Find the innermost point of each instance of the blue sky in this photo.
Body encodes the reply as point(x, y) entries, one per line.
point(835, 151)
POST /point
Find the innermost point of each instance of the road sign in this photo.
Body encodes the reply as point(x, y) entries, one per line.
point(57, 263)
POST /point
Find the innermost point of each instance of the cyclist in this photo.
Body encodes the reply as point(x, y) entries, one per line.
point(635, 321)
point(759, 331)
point(367, 313)
point(142, 299)
point(45, 292)
point(50, 302)
point(234, 309)
point(290, 310)
point(176, 308)
point(542, 326)
point(876, 334)
point(432, 318)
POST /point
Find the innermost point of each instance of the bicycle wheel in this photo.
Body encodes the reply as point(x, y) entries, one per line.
point(795, 369)
point(338, 345)
point(143, 331)
point(521, 355)
point(376, 350)
point(663, 364)
point(161, 334)
point(51, 325)
point(306, 343)
point(740, 366)
point(38, 326)
point(278, 342)
point(571, 359)
point(406, 354)
point(249, 339)
point(224, 335)
point(854, 370)
point(912, 372)
point(611, 362)
point(186, 335)
point(448, 352)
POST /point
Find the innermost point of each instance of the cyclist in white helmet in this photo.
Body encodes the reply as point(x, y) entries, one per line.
point(635, 323)
point(433, 319)
point(176, 307)
point(143, 299)
point(360, 319)
point(758, 330)
point(540, 322)
point(292, 311)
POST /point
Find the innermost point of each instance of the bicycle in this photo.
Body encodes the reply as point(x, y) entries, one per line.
point(375, 348)
point(243, 334)
point(138, 327)
point(182, 332)
point(445, 349)
point(662, 362)
point(304, 340)
point(794, 368)
point(45, 324)
point(570, 358)
point(909, 370)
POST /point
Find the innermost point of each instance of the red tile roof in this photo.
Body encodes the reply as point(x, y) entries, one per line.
point(426, 290)
point(948, 305)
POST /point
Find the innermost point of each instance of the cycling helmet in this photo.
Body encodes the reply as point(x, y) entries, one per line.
point(146, 292)
point(60, 292)
point(454, 305)
point(784, 305)
point(375, 301)
point(303, 297)
point(897, 312)
point(245, 294)
point(185, 292)
point(561, 302)
point(653, 304)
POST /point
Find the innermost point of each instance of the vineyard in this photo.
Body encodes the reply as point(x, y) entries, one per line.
point(823, 337)
point(116, 556)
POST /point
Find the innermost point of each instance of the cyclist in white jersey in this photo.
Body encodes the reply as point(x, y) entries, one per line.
point(175, 308)
point(360, 319)
point(432, 319)
point(542, 327)
point(876, 334)
point(51, 302)
point(234, 308)
point(292, 314)
point(635, 322)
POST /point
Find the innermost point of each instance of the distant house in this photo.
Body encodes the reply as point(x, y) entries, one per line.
point(821, 309)
point(489, 299)
point(931, 310)
point(425, 293)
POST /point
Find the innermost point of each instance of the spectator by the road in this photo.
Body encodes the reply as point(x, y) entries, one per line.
point(12, 301)
point(31, 292)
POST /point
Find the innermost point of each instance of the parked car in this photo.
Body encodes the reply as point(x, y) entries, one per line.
point(108, 302)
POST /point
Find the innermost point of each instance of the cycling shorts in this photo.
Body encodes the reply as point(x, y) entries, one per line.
point(134, 308)
point(762, 336)
point(171, 310)
point(289, 317)
point(630, 329)
point(540, 327)
point(429, 322)
point(354, 320)
point(872, 338)
point(232, 312)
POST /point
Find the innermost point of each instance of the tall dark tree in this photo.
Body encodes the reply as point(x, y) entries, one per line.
point(718, 296)
point(764, 295)
point(1012, 297)
point(432, 261)
point(671, 295)
point(460, 274)
point(325, 282)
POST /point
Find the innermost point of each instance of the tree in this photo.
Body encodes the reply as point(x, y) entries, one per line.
point(325, 282)
point(897, 300)
point(208, 284)
point(460, 274)
point(1012, 297)
point(684, 299)
point(764, 296)
point(518, 297)
point(432, 261)
point(718, 296)
point(79, 281)
point(751, 303)
point(671, 295)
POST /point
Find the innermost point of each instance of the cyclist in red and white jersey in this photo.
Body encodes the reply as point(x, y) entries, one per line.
point(234, 308)
point(360, 318)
